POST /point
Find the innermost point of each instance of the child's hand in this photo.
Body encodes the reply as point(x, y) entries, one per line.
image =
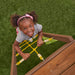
point(25, 56)
point(39, 42)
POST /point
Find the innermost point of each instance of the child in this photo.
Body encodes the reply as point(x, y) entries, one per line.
point(27, 28)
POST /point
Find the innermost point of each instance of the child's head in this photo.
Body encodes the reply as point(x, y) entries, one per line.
point(25, 23)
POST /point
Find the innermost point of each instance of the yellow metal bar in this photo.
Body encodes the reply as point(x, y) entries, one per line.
point(33, 38)
point(36, 52)
point(30, 44)
point(48, 40)
point(37, 46)
point(20, 62)
point(26, 47)
point(22, 42)
point(40, 56)
point(31, 52)
point(34, 49)
point(29, 41)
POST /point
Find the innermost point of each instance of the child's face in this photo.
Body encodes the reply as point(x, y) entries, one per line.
point(27, 27)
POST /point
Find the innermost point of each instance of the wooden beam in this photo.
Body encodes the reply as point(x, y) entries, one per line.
point(70, 71)
point(60, 63)
point(13, 63)
point(59, 37)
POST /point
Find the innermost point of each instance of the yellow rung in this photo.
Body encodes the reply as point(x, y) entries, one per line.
point(19, 62)
point(31, 52)
point(26, 40)
point(36, 47)
point(22, 50)
point(26, 47)
point(29, 41)
point(33, 43)
point(50, 39)
point(30, 46)
point(34, 50)
point(17, 54)
point(23, 44)
point(35, 36)
point(40, 56)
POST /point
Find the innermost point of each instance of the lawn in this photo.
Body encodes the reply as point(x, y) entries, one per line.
point(56, 16)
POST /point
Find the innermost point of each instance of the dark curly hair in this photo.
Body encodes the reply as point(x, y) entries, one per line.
point(15, 17)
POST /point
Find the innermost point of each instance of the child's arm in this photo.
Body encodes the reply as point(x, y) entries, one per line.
point(40, 41)
point(16, 47)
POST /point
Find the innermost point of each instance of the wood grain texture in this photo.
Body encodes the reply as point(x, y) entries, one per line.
point(60, 63)
point(49, 58)
point(59, 37)
point(13, 63)
point(70, 71)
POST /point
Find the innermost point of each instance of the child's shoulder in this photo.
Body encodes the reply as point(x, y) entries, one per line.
point(17, 28)
point(37, 24)
point(38, 27)
point(19, 31)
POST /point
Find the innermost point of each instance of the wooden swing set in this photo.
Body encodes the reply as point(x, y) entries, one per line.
point(44, 67)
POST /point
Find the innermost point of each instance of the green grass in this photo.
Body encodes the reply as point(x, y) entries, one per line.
point(56, 16)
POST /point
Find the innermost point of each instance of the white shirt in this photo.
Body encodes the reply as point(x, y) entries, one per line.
point(21, 36)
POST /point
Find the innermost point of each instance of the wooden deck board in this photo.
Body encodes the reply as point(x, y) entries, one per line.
point(13, 63)
point(70, 71)
point(60, 63)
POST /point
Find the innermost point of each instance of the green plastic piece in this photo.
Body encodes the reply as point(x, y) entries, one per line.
point(49, 42)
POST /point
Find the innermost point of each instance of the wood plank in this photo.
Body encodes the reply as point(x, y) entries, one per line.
point(13, 63)
point(60, 63)
point(49, 58)
point(59, 37)
point(70, 71)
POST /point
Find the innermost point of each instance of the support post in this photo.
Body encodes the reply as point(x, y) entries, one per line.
point(13, 62)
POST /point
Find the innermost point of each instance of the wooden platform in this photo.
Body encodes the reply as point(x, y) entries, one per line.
point(61, 62)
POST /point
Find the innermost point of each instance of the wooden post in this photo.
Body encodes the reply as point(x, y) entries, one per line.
point(13, 63)
point(59, 37)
